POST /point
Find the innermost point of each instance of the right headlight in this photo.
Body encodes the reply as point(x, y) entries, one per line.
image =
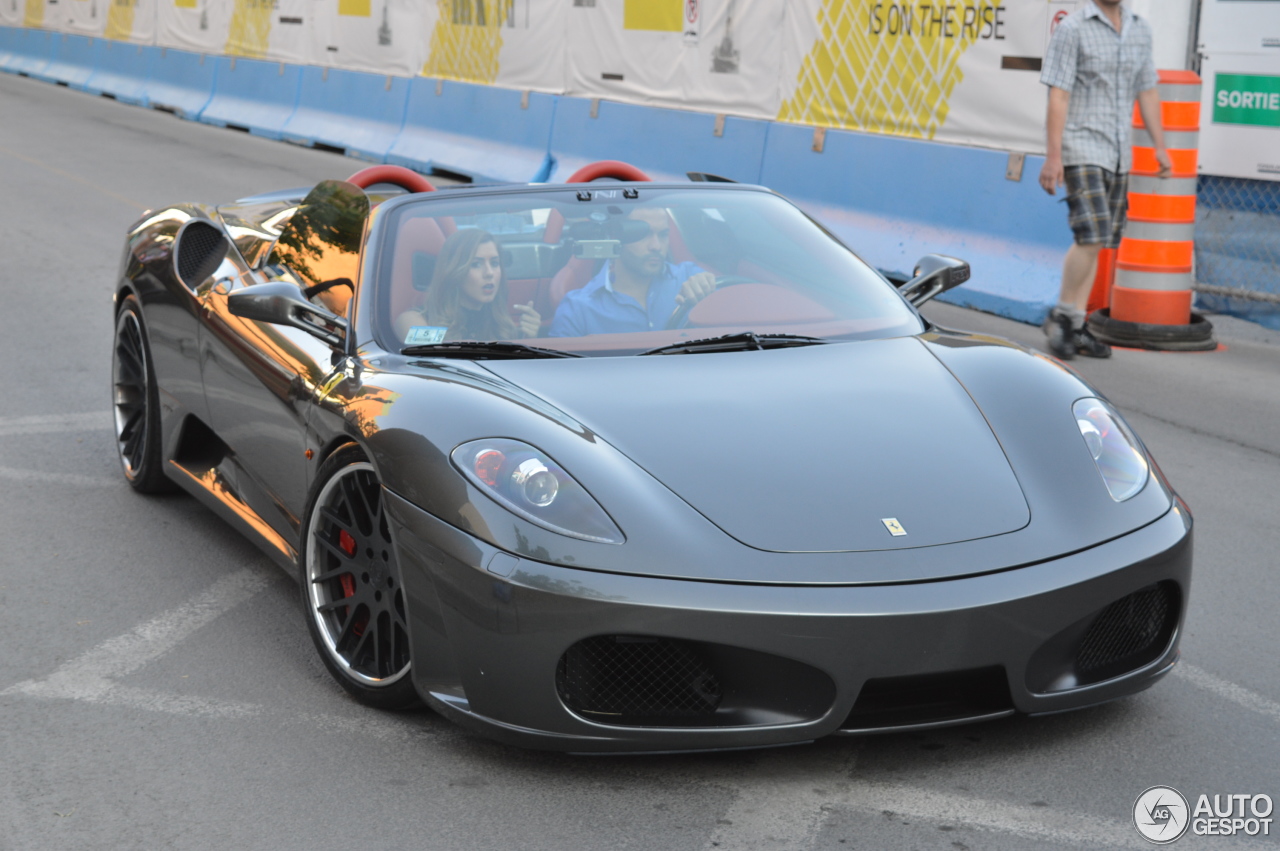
point(1115, 450)
point(528, 483)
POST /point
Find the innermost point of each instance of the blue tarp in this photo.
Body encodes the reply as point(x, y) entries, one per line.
point(663, 143)
point(360, 113)
point(30, 51)
point(122, 71)
point(180, 82)
point(71, 59)
point(479, 131)
point(257, 96)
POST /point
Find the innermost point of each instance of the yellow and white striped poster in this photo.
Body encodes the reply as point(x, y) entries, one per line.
point(198, 25)
point(131, 20)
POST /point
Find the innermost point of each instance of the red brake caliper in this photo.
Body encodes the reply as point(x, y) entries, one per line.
point(348, 582)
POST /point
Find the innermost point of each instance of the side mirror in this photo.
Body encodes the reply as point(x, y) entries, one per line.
point(934, 274)
point(282, 303)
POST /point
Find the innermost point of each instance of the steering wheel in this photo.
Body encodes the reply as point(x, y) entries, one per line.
point(396, 175)
point(680, 318)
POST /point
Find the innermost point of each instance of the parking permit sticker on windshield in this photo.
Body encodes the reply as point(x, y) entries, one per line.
point(425, 335)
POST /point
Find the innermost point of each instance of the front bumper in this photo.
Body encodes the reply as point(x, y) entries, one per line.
point(489, 631)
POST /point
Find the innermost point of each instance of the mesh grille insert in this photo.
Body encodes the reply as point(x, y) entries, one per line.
point(626, 679)
point(200, 251)
point(1130, 627)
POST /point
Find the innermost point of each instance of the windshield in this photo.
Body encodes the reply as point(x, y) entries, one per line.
point(621, 271)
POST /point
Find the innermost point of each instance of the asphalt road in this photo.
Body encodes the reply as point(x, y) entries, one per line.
point(158, 688)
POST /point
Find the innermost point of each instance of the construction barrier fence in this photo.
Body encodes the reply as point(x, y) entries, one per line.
point(1238, 247)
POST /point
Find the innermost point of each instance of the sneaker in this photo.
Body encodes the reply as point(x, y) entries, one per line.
point(1062, 340)
point(1090, 346)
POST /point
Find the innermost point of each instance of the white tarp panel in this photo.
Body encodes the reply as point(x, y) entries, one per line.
point(11, 13)
point(196, 25)
point(999, 100)
point(709, 55)
point(518, 44)
point(381, 36)
point(276, 30)
point(527, 58)
point(84, 17)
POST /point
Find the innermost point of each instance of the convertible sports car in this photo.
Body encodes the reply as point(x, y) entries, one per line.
point(759, 502)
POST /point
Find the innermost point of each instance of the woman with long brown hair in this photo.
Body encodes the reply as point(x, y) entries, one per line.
point(468, 295)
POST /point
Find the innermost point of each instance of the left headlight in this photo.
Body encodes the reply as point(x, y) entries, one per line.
point(1115, 450)
point(527, 482)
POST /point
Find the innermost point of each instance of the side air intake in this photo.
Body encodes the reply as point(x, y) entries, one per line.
point(1132, 631)
point(200, 249)
point(656, 681)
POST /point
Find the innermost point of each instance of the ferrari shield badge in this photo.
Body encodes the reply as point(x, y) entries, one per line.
point(894, 527)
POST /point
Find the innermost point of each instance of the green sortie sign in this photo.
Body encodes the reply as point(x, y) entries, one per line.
point(1246, 99)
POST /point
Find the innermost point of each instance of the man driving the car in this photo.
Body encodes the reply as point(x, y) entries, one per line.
point(638, 290)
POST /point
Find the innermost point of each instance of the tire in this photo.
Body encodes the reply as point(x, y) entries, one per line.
point(351, 589)
point(136, 403)
point(1195, 336)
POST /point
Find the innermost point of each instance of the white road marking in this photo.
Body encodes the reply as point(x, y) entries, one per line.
point(55, 423)
point(40, 477)
point(93, 676)
point(784, 811)
point(1072, 829)
point(1238, 695)
point(90, 676)
point(175, 704)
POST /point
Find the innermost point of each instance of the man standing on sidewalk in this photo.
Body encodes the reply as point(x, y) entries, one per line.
point(1098, 62)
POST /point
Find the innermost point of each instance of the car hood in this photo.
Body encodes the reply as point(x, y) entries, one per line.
point(813, 449)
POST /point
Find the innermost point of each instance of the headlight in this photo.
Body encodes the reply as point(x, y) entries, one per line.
point(1115, 450)
point(525, 481)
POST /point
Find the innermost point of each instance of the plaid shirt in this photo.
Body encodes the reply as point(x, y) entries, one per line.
point(1104, 71)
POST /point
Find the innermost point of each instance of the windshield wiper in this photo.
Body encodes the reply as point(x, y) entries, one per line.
point(492, 350)
point(742, 341)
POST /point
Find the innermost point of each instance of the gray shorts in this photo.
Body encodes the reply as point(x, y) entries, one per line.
point(1097, 200)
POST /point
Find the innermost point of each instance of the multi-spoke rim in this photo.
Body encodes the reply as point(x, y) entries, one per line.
point(130, 383)
point(352, 581)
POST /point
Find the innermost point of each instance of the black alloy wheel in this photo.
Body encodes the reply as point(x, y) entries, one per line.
point(136, 402)
point(351, 584)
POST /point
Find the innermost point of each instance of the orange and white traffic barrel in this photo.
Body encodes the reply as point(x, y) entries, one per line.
point(1150, 301)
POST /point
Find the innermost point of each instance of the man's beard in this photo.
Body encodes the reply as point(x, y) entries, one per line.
point(640, 266)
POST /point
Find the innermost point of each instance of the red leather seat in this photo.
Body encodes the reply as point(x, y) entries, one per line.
point(422, 234)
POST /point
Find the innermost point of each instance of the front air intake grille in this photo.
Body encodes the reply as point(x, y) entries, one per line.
point(1126, 634)
point(941, 698)
point(200, 250)
point(637, 680)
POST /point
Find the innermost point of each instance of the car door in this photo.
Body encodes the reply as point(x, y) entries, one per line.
point(259, 378)
point(172, 310)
